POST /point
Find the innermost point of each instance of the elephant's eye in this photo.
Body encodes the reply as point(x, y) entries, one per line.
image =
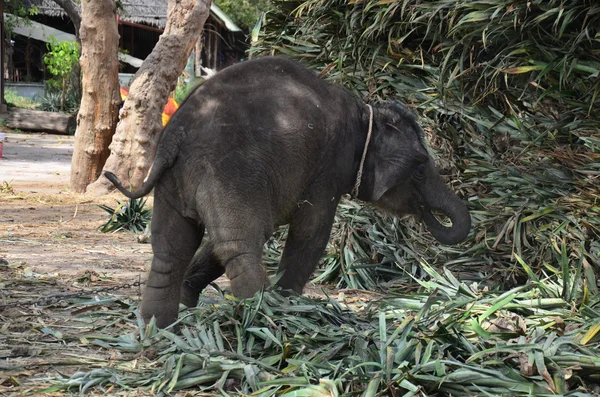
point(419, 173)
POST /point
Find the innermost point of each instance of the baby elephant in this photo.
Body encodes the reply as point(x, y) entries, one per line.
point(266, 143)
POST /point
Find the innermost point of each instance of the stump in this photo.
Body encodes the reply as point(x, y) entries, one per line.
point(37, 120)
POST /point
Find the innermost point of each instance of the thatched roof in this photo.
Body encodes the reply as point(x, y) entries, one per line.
point(147, 12)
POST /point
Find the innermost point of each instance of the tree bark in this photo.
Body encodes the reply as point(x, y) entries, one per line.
point(100, 101)
point(134, 145)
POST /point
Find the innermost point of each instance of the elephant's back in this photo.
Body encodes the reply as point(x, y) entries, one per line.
point(265, 87)
point(264, 100)
point(262, 75)
point(266, 121)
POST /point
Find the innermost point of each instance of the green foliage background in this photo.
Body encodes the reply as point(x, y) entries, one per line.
point(508, 94)
point(244, 12)
point(16, 8)
point(60, 60)
point(61, 57)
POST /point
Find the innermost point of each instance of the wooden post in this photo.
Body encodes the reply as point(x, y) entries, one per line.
point(28, 60)
point(198, 56)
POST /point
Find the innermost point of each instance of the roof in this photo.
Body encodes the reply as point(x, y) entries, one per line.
point(148, 12)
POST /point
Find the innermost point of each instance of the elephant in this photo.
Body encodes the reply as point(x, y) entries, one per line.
point(265, 143)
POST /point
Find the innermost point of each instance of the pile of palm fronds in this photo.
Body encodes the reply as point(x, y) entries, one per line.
point(508, 91)
point(450, 339)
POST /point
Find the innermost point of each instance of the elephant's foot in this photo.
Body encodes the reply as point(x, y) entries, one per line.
point(164, 311)
point(163, 291)
point(161, 295)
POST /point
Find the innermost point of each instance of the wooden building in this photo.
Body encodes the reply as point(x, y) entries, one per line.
point(140, 24)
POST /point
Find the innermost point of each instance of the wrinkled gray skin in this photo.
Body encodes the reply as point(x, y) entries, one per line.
point(266, 143)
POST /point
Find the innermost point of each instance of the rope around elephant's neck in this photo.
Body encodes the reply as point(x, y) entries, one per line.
point(364, 155)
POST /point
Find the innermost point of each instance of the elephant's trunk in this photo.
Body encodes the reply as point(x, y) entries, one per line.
point(439, 197)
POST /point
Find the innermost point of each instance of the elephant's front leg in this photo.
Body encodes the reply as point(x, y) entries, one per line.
point(175, 239)
point(309, 233)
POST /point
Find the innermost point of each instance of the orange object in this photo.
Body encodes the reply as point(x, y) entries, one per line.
point(168, 112)
point(124, 91)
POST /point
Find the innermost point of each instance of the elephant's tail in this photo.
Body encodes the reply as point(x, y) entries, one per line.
point(161, 164)
point(144, 190)
point(167, 153)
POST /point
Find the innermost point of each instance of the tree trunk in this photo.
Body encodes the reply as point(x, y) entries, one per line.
point(100, 102)
point(134, 145)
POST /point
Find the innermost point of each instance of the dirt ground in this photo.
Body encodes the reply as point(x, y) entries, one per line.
point(49, 230)
point(49, 244)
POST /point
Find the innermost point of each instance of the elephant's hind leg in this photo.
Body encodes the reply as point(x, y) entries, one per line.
point(175, 239)
point(204, 269)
